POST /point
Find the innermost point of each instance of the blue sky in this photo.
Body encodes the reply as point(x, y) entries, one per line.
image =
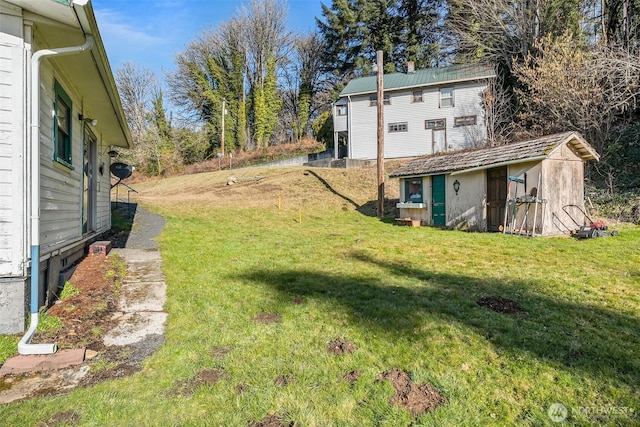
point(150, 32)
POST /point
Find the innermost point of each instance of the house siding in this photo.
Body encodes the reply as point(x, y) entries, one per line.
point(12, 143)
point(416, 140)
point(12, 163)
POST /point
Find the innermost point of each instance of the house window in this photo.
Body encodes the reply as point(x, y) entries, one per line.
point(373, 100)
point(62, 108)
point(398, 127)
point(341, 110)
point(413, 190)
point(435, 124)
point(416, 96)
point(464, 121)
point(446, 97)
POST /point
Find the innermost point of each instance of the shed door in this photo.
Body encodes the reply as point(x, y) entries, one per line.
point(438, 206)
point(496, 197)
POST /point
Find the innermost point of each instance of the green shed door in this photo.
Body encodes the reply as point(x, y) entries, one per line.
point(438, 206)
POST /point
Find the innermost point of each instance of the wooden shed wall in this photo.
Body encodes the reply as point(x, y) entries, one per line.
point(563, 174)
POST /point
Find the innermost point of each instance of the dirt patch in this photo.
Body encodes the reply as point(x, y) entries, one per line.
point(204, 377)
point(351, 377)
point(283, 380)
point(221, 351)
point(266, 318)
point(341, 346)
point(86, 317)
point(272, 421)
point(68, 418)
point(500, 305)
point(415, 398)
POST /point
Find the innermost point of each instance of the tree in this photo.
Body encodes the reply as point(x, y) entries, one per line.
point(143, 105)
point(504, 32)
point(353, 30)
point(594, 91)
point(305, 85)
point(236, 64)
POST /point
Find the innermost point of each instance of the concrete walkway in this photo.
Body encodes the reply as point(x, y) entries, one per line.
point(140, 320)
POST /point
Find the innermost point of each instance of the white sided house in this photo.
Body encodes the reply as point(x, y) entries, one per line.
point(425, 112)
point(60, 117)
point(533, 187)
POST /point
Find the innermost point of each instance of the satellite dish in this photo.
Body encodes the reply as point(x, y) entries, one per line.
point(121, 170)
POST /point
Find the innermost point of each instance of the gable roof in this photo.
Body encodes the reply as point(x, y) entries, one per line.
point(420, 78)
point(484, 158)
point(63, 23)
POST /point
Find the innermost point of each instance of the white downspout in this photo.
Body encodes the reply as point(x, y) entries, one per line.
point(24, 346)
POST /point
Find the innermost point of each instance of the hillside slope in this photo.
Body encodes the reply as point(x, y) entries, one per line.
point(292, 187)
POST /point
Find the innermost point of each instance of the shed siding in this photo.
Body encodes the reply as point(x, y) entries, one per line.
point(563, 174)
point(416, 140)
point(12, 143)
point(466, 210)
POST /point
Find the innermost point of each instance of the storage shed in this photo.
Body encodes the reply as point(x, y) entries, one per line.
point(529, 187)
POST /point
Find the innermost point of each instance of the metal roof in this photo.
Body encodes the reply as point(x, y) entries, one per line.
point(420, 78)
point(484, 158)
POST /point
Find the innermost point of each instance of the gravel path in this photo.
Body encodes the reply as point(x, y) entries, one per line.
point(146, 227)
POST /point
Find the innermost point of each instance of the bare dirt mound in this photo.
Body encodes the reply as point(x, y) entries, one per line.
point(204, 377)
point(500, 305)
point(341, 346)
point(283, 380)
point(272, 421)
point(351, 377)
point(415, 398)
point(266, 318)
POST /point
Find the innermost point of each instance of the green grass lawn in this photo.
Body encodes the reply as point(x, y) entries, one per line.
point(405, 297)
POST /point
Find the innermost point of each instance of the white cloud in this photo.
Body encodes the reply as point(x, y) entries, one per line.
point(118, 28)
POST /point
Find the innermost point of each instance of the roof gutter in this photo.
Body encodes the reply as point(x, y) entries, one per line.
point(24, 346)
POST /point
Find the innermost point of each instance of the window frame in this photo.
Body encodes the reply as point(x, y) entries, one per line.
point(437, 125)
point(407, 189)
point(451, 98)
point(465, 121)
point(373, 100)
point(417, 98)
point(398, 127)
point(342, 110)
point(62, 149)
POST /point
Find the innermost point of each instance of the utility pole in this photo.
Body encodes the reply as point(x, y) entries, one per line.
point(380, 105)
point(224, 111)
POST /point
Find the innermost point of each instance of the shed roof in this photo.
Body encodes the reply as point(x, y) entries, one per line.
point(484, 158)
point(420, 78)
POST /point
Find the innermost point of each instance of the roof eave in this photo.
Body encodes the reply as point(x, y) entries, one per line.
point(438, 83)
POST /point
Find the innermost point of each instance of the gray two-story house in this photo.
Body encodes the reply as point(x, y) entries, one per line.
point(425, 112)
